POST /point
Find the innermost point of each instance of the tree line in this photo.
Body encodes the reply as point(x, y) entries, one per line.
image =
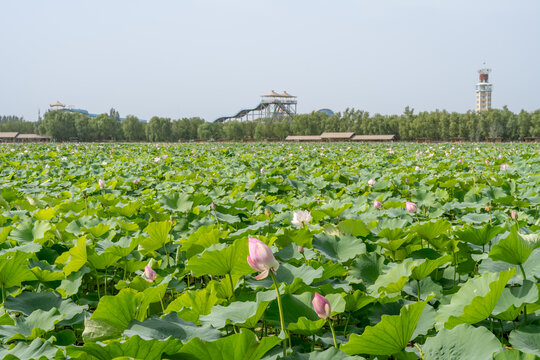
point(435, 125)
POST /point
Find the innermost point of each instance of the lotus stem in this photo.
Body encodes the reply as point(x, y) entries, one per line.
point(346, 324)
point(280, 307)
point(523, 272)
point(232, 286)
point(333, 333)
point(418, 289)
point(419, 351)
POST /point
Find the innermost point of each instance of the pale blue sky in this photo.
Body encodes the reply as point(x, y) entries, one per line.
point(212, 58)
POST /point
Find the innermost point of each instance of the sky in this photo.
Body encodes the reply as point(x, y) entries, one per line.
point(211, 58)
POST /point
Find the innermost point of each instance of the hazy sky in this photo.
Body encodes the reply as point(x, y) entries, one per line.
point(211, 58)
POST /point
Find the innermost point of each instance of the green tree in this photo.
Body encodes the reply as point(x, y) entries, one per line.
point(133, 129)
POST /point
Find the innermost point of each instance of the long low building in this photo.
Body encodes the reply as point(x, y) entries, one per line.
point(33, 138)
point(303, 138)
point(337, 136)
point(13, 137)
point(374, 138)
point(341, 136)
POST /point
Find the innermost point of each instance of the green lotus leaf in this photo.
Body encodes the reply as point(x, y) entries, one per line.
point(426, 267)
point(474, 301)
point(44, 214)
point(244, 314)
point(366, 268)
point(199, 302)
point(329, 354)
point(294, 307)
point(476, 218)
point(306, 327)
point(30, 231)
point(176, 202)
point(479, 235)
point(103, 260)
point(526, 339)
point(123, 247)
point(38, 349)
point(393, 278)
point(197, 242)
point(74, 258)
point(45, 272)
point(357, 300)
point(222, 259)
point(515, 248)
point(14, 269)
point(113, 315)
point(27, 302)
point(133, 348)
point(71, 284)
point(390, 335)
point(339, 248)
point(462, 342)
point(354, 227)
point(511, 301)
point(243, 346)
point(429, 230)
point(514, 355)
point(31, 327)
point(159, 235)
point(170, 325)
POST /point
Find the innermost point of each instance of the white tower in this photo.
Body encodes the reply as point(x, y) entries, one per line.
point(483, 91)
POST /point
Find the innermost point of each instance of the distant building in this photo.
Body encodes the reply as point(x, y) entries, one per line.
point(483, 91)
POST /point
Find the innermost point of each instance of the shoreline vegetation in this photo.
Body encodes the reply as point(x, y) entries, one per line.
point(409, 126)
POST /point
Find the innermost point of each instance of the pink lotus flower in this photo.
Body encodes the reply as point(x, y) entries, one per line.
point(377, 204)
point(411, 207)
point(504, 167)
point(513, 214)
point(301, 217)
point(262, 170)
point(321, 306)
point(136, 181)
point(149, 274)
point(371, 182)
point(487, 161)
point(417, 168)
point(101, 184)
point(261, 258)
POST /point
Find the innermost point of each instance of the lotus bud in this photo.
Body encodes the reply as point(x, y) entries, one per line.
point(371, 182)
point(149, 274)
point(321, 306)
point(488, 208)
point(504, 167)
point(136, 181)
point(411, 207)
point(267, 212)
point(262, 170)
point(300, 249)
point(101, 183)
point(377, 204)
point(261, 258)
point(514, 215)
point(212, 206)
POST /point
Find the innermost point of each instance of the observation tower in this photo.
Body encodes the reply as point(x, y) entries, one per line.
point(483, 91)
point(273, 106)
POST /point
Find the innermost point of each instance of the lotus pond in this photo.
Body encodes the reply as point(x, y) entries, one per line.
point(402, 251)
